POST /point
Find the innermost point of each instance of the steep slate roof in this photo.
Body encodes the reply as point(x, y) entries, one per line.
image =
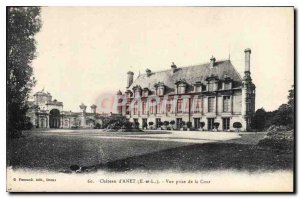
point(191, 74)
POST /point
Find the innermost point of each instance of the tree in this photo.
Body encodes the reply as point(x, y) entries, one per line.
point(98, 126)
point(291, 103)
point(22, 25)
point(259, 119)
point(284, 116)
point(291, 97)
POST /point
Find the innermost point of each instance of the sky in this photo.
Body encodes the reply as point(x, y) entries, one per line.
point(84, 53)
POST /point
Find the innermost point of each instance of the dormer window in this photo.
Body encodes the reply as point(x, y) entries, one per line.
point(198, 87)
point(128, 93)
point(181, 86)
point(211, 86)
point(137, 91)
point(145, 92)
point(212, 83)
point(227, 83)
point(160, 88)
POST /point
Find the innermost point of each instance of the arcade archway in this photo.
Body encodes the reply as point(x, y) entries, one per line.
point(54, 118)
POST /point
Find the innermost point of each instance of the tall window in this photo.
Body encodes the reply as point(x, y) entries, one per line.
point(152, 107)
point(226, 103)
point(158, 107)
point(197, 123)
point(135, 108)
point(179, 106)
point(226, 123)
point(169, 106)
point(197, 105)
point(157, 122)
point(248, 106)
point(210, 123)
point(127, 110)
point(211, 104)
point(144, 108)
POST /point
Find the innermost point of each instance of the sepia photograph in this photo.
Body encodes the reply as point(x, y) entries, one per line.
point(150, 99)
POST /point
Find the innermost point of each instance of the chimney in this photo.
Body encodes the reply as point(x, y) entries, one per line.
point(148, 72)
point(129, 78)
point(247, 60)
point(212, 62)
point(174, 67)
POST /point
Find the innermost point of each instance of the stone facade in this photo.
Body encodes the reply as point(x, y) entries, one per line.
point(47, 113)
point(211, 93)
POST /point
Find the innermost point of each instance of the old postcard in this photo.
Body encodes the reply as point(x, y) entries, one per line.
point(150, 99)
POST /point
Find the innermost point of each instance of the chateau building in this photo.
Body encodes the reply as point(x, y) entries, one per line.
point(213, 92)
point(47, 113)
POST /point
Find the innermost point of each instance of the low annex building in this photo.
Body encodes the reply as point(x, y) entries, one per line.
point(211, 92)
point(47, 113)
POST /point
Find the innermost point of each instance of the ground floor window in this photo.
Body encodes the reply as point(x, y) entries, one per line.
point(43, 125)
point(197, 123)
point(127, 110)
point(144, 123)
point(226, 124)
point(210, 123)
point(178, 123)
point(157, 122)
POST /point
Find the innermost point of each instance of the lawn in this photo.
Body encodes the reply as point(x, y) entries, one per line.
point(58, 151)
point(208, 156)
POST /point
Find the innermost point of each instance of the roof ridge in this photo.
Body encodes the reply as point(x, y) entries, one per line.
point(195, 65)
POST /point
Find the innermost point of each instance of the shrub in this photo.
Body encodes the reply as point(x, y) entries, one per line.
point(237, 125)
point(160, 124)
point(166, 123)
point(189, 124)
point(97, 126)
point(119, 124)
point(145, 125)
point(202, 124)
point(172, 122)
point(278, 139)
point(216, 125)
point(151, 125)
point(136, 125)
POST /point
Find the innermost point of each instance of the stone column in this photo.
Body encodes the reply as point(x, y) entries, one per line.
point(216, 104)
point(47, 121)
point(231, 104)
